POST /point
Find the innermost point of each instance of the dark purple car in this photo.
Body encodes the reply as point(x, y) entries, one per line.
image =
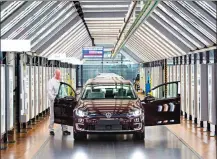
point(112, 106)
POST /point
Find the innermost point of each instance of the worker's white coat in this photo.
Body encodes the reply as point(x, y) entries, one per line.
point(53, 87)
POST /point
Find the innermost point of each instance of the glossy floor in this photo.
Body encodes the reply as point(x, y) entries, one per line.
point(159, 143)
point(201, 141)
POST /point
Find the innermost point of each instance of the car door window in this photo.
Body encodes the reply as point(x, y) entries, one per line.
point(164, 107)
point(64, 105)
point(65, 90)
point(159, 92)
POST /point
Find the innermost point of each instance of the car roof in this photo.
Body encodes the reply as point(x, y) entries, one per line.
point(108, 75)
point(111, 80)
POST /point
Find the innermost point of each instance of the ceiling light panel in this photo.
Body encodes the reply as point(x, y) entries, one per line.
point(147, 50)
point(12, 23)
point(72, 42)
point(69, 33)
point(31, 19)
point(58, 26)
point(201, 14)
point(177, 50)
point(43, 22)
point(103, 6)
point(173, 24)
point(209, 6)
point(137, 52)
point(190, 18)
point(10, 9)
point(51, 24)
point(171, 13)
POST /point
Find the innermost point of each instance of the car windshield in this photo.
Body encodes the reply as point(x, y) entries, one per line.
point(114, 91)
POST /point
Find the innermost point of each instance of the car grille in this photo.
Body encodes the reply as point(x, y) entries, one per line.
point(109, 125)
point(114, 115)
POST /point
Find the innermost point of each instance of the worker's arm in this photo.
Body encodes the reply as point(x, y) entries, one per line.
point(50, 90)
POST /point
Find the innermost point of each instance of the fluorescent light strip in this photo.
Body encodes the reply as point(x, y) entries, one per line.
point(104, 6)
point(136, 52)
point(164, 40)
point(206, 6)
point(150, 52)
point(62, 38)
point(143, 52)
point(104, 22)
point(70, 16)
point(73, 40)
point(31, 19)
point(150, 37)
point(202, 27)
point(185, 25)
point(43, 20)
point(104, 10)
point(74, 49)
point(155, 46)
point(51, 22)
point(10, 9)
point(200, 16)
point(19, 17)
point(105, 19)
point(180, 29)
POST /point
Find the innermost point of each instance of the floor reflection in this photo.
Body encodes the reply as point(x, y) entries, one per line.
point(159, 143)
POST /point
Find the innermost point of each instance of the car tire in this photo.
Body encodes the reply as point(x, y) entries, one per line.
point(79, 136)
point(139, 136)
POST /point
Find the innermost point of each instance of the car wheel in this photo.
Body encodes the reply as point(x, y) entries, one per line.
point(139, 136)
point(79, 136)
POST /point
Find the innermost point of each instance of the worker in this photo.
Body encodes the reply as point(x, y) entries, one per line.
point(53, 87)
point(147, 88)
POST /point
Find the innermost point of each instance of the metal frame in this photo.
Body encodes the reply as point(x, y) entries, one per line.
point(169, 29)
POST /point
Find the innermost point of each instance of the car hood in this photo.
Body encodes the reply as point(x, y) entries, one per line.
point(114, 105)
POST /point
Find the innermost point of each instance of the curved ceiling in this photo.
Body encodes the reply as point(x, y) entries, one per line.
point(52, 27)
point(175, 28)
point(172, 29)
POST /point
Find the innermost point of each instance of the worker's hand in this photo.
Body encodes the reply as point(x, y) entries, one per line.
point(53, 98)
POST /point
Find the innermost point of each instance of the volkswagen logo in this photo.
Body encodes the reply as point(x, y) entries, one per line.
point(108, 115)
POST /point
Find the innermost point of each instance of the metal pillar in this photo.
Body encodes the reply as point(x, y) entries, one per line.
point(215, 61)
point(201, 61)
point(189, 73)
point(207, 62)
point(2, 85)
point(195, 63)
point(9, 109)
point(17, 70)
point(165, 76)
point(81, 69)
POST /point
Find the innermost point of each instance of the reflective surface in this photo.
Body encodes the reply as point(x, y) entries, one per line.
point(159, 143)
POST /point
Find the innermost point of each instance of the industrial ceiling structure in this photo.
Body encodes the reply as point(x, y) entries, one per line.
point(106, 18)
point(174, 28)
point(141, 30)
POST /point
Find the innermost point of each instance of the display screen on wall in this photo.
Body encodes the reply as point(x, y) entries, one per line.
point(93, 52)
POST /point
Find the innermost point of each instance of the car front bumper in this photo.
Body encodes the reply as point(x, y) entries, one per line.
point(102, 125)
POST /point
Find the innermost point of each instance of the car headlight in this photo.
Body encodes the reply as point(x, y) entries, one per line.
point(81, 112)
point(135, 112)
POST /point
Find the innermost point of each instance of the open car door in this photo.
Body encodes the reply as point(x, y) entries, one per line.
point(64, 105)
point(163, 108)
